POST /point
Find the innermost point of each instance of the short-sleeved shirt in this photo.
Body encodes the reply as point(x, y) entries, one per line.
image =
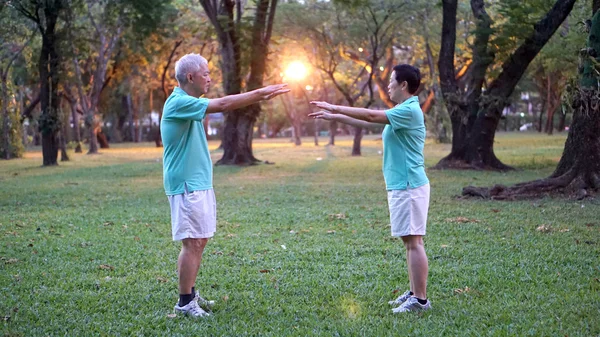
point(186, 159)
point(403, 143)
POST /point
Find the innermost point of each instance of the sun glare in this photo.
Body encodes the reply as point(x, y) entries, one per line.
point(296, 71)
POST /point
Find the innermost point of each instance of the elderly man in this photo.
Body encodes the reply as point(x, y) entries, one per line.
point(187, 168)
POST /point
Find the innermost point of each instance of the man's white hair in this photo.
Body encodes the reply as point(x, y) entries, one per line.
point(189, 63)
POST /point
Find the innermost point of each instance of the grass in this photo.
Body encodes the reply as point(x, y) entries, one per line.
point(303, 248)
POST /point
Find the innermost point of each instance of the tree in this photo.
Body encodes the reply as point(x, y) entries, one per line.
point(475, 114)
point(45, 14)
point(578, 171)
point(13, 41)
point(227, 19)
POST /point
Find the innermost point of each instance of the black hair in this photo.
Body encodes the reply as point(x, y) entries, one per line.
point(410, 74)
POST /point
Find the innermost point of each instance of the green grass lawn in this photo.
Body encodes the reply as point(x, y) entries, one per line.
point(303, 248)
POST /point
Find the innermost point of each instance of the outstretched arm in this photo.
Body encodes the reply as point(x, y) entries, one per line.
point(345, 119)
point(367, 115)
point(232, 102)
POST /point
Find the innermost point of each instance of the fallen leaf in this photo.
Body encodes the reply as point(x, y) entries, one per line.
point(495, 210)
point(230, 235)
point(590, 224)
point(225, 298)
point(265, 271)
point(461, 219)
point(106, 267)
point(162, 279)
point(108, 223)
point(172, 315)
point(544, 228)
point(11, 261)
point(283, 246)
point(337, 216)
point(136, 238)
point(330, 231)
point(444, 246)
point(462, 291)
point(218, 253)
point(395, 291)
point(6, 318)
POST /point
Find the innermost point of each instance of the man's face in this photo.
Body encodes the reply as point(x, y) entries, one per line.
point(394, 89)
point(200, 80)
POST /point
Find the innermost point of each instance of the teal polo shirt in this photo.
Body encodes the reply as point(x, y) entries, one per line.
point(186, 159)
point(403, 143)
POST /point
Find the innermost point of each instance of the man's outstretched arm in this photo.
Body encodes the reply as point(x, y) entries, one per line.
point(232, 102)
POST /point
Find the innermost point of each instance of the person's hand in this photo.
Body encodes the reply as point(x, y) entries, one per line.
point(322, 114)
point(324, 105)
point(274, 90)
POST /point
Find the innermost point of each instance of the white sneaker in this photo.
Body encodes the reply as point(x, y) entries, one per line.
point(192, 309)
point(401, 299)
point(412, 305)
point(203, 302)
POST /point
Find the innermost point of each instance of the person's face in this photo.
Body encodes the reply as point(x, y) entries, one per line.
point(395, 89)
point(200, 80)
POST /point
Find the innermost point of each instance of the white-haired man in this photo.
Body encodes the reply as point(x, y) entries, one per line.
point(187, 168)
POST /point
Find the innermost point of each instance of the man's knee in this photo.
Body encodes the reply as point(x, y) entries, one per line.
point(196, 245)
point(412, 241)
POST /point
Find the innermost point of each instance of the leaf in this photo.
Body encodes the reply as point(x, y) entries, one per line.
point(462, 291)
point(331, 231)
point(265, 271)
point(106, 267)
point(11, 261)
point(461, 219)
point(337, 216)
point(544, 228)
point(172, 315)
point(162, 279)
point(225, 298)
point(136, 238)
point(495, 210)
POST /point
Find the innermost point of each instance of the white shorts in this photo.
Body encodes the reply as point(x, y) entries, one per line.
point(408, 210)
point(193, 215)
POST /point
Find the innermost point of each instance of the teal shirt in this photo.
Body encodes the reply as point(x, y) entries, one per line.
point(186, 159)
point(403, 143)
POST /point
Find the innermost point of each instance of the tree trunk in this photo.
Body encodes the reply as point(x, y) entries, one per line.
point(541, 117)
point(332, 133)
point(358, 134)
point(49, 122)
point(76, 131)
point(6, 120)
point(561, 122)
point(316, 132)
point(237, 138)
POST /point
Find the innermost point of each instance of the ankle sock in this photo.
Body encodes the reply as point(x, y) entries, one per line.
point(194, 291)
point(423, 302)
point(411, 293)
point(185, 299)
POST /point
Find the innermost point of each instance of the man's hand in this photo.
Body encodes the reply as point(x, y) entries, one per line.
point(324, 106)
point(322, 114)
point(274, 90)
